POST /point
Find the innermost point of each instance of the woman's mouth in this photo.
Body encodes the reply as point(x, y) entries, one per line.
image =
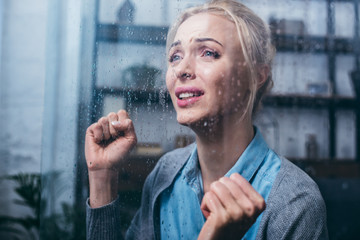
point(187, 96)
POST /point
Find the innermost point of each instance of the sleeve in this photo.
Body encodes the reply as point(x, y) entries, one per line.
point(103, 223)
point(301, 217)
point(295, 209)
point(142, 225)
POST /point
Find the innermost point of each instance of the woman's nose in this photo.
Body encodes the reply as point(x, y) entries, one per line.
point(186, 69)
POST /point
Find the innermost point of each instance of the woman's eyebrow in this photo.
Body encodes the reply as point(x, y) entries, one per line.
point(174, 44)
point(196, 40)
point(208, 39)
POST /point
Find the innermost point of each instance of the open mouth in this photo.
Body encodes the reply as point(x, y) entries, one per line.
point(187, 95)
point(184, 93)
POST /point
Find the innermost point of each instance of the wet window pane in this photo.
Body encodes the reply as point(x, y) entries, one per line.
point(66, 64)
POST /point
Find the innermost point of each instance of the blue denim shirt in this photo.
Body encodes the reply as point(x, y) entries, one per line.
point(180, 213)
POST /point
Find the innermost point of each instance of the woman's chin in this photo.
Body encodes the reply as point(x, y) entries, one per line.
point(188, 119)
point(185, 120)
point(193, 121)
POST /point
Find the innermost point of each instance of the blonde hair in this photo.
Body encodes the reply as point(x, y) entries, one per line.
point(255, 41)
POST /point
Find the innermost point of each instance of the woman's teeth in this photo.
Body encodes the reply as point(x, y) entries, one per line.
point(188, 95)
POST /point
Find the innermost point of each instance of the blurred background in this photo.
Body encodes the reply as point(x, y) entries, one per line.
point(64, 64)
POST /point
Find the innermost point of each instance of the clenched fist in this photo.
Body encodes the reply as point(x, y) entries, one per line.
point(107, 143)
point(230, 208)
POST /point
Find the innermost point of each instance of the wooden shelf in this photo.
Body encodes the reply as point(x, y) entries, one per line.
point(153, 35)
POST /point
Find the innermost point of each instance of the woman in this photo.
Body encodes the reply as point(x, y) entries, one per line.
point(229, 184)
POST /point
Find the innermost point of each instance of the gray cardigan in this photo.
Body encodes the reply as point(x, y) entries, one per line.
point(294, 210)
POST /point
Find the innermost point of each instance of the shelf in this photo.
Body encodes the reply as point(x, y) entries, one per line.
point(304, 101)
point(300, 101)
point(313, 44)
point(114, 33)
point(323, 168)
point(135, 170)
point(153, 35)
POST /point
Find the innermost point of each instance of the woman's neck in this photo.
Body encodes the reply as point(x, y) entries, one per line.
point(220, 146)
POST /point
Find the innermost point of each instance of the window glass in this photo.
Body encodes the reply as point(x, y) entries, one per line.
point(104, 56)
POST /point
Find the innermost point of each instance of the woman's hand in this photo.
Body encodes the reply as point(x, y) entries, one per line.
point(231, 208)
point(107, 143)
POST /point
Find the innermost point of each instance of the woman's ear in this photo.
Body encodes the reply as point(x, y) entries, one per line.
point(263, 74)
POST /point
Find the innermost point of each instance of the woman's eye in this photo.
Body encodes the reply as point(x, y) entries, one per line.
point(174, 57)
point(208, 53)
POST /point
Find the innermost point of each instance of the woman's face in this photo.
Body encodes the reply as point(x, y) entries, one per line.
point(207, 76)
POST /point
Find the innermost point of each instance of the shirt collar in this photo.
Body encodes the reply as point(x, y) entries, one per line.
point(247, 165)
point(251, 159)
point(192, 167)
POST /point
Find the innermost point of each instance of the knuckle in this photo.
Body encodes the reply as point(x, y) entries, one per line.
point(111, 115)
point(261, 205)
point(129, 122)
point(211, 195)
point(249, 210)
point(122, 112)
point(237, 214)
point(102, 120)
point(90, 128)
point(224, 180)
point(214, 186)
